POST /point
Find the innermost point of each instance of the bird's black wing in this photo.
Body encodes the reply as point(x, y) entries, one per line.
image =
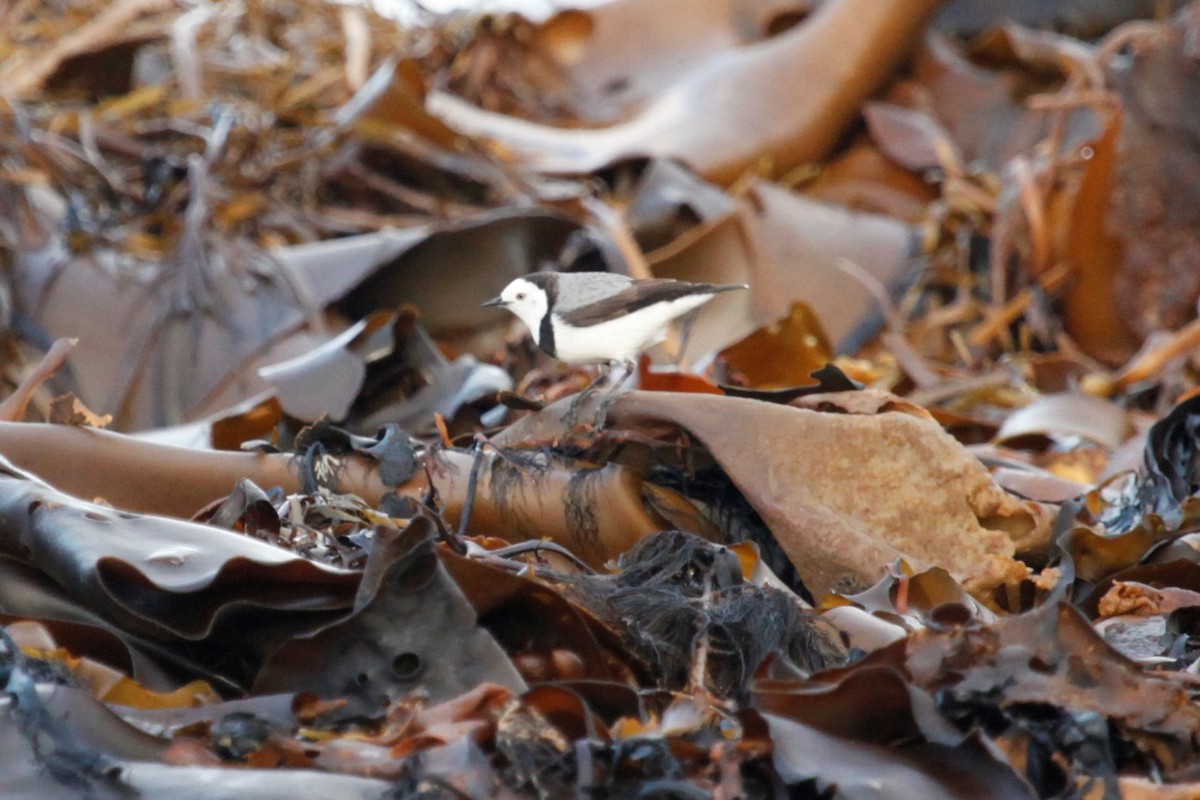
point(638, 296)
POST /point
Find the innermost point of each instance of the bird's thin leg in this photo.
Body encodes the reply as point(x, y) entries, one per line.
point(602, 411)
point(572, 416)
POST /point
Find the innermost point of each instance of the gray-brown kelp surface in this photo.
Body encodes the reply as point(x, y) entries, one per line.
point(284, 513)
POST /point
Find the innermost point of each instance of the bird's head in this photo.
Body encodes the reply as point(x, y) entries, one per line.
point(525, 299)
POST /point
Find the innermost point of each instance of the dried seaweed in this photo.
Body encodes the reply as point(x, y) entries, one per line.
point(340, 534)
point(677, 595)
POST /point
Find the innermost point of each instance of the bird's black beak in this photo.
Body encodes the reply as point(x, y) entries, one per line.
point(495, 301)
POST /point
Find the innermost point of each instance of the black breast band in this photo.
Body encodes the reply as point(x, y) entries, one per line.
point(546, 336)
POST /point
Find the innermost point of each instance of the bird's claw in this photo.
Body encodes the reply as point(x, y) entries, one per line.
point(571, 418)
point(602, 412)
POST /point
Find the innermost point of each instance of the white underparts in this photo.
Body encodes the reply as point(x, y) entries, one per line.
point(622, 338)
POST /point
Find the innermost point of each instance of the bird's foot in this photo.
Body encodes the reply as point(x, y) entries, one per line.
point(612, 395)
point(575, 409)
point(601, 421)
point(571, 418)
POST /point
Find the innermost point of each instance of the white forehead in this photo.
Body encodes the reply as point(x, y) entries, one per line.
point(519, 285)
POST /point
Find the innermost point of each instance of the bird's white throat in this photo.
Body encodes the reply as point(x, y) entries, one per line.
point(529, 302)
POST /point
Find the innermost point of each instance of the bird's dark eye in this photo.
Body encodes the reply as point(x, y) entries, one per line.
point(520, 295)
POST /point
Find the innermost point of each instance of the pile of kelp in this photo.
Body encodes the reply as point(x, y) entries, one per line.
point(285, 513)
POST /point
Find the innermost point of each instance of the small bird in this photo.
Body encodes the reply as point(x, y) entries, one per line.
point(599, 317)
